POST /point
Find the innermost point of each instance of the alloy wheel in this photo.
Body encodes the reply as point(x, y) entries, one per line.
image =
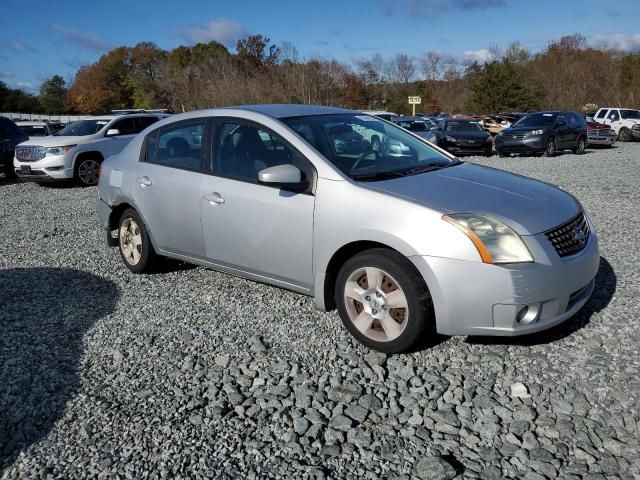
point(130, 241)
point(376, 304)
point(88, 172)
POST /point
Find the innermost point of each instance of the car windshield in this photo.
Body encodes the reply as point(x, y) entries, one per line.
point(34, 130)
point(413, 126)
point(365, 148)
point(463, 127)
point(537, 120)
point(630, 114)
point(82, 128)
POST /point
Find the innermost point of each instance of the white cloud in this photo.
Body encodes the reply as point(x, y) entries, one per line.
point(480, 56)
point(617, 41)
point(227, 32)
point(20, 47)
point(6, 74)
point(77, 37)
point(25, 85)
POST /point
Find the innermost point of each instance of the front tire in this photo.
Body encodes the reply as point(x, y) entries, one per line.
point(582, 146)
point(134, 243)
point(624, 135)
point(550, 149)
point(87, 172)
point(382, 300)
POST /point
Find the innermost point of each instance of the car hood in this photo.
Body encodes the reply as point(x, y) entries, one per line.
point(509, 130)
point(55, 141)
point(469, 135)
point(597, 126)
point(526, 205)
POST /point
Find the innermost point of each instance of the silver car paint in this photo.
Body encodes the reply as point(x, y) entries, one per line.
point(288, 240)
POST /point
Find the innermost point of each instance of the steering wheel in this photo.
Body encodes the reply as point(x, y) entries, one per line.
point(361, 160)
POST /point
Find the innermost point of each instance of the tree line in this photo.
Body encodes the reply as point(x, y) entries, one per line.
point(567, 74)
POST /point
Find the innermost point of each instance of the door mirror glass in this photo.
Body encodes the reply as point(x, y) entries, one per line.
point(112, 132)
point(284, 175)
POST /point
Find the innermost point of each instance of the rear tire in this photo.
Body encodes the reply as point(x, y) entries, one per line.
point(9, 172)
point(383, 301)
point(550, 149)
point(87, 172)
point(624, 135)
point(134, 243)
point(582, 146)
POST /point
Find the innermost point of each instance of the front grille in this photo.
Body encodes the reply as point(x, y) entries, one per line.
point(516, 136)
point(599, 133)
point(571, 237)
point(30, 154)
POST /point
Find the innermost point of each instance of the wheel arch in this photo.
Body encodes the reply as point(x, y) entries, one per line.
point(114, 220)
point(89, 154)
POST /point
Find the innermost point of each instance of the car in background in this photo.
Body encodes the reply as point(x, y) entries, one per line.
point(599, 134)
point(625, 122)
point(460, 136)
point(544, 133)
point(10, 137)
point(77, 151)
point(33, 128)
point(383, 114)
point(400, 245)
point(416, 125)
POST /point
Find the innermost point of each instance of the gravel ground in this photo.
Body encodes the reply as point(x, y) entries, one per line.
point(191, 373)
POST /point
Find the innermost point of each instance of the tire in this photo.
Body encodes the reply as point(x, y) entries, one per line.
point(582, 146)
point(503, 155)
point(550, 149)
point(624, 135)
point(134, 244)
point(87, 172)
point(488, 153)
point(370, 316)
point(9, 172)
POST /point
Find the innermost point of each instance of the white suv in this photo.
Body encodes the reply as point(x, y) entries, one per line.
point(624, 121)
point(76, 151)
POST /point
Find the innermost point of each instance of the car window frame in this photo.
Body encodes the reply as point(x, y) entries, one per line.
point(604, 113)
point(119, 120)
point(139, 119)
point(309, 171)
point(204, 152)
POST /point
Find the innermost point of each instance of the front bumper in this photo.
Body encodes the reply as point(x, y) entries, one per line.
point(602, 140)
point(635, 133)
point(459, 149)
point(473, 298)
point(533, 144)
point(50, 168)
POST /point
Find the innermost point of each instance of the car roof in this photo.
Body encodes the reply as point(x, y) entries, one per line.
point(286, 110)
point(409, 118)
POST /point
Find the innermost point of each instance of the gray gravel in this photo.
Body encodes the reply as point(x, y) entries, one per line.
point(191, 373)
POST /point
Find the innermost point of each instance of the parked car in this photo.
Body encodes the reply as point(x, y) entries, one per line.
point(76, 151)
point(381, 114)
point(10, 136)
point(397, 244)
point(463, 137)
point(599, 133)
point(544, 133)
point(416, 125)
point(624, 121)
point(33, 128)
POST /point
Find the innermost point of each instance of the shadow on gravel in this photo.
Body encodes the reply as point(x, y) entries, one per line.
point(606, 282)
point(44, 313)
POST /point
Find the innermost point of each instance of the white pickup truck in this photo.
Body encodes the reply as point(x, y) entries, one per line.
point(624, 121)
point(76, 152)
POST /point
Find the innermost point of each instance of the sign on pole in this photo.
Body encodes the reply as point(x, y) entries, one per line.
point(413, 101)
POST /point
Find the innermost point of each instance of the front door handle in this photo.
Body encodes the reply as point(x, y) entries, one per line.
point(144, 181)
point(214, 198)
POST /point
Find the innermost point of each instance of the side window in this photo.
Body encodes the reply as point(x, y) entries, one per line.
point(144, 122)
point(177, 146)
point(613, 115)
point(127, 126)
point(602, 114)
point(242, 150)
point(572, 120)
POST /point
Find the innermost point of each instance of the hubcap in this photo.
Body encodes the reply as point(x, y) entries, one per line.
point(130, 241)
point(376, 304)
point(88, 172)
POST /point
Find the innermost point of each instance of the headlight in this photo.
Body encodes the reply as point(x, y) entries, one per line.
point(59, 150)
point(535, 132)
point(495, 242)
point(451, 139)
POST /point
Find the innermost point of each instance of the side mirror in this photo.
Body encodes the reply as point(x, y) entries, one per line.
point(112, 132)
point(281, 175)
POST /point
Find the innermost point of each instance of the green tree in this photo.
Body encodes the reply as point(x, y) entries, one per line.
point(52, 93)
point(255, 52)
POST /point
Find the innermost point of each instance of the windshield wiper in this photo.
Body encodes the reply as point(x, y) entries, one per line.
point(379, 175)
point(383, 174)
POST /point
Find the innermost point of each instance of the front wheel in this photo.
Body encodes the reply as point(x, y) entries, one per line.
point(9, 171)
point(382, 300)
point(582, 146)
point(87, 172)
point(134, 243)
point(550, 149)
point(624, 135)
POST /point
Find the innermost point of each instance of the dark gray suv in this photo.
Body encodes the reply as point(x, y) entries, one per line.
point(10, 136)
point(544, 133)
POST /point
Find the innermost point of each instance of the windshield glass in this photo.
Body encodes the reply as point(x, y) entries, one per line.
point(363, 147)
point(537, 120)
point(34, 130)
point(414, 126)
point(463, 127)
point(82, 127)
point(630, 114)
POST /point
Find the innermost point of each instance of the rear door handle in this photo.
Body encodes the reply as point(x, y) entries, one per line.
point(144, 181)
point(214, 198)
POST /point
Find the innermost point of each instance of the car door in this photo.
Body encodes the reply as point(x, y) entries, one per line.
point(167, 187)
point(574, 130)
point(261, 230)
point(562, 132)
point(613, 119)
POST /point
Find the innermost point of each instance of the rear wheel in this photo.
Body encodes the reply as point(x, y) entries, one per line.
point(87, 172)
point(134, 243)
point(383, 301)
point(582, 146)
point(550, 149)
point(624, 135)
point(9, 171)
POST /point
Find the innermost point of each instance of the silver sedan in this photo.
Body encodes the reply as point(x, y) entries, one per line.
point(399, 236)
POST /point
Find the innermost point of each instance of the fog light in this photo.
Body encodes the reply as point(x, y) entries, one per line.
point(523, 311)
point(53, 169)
point(528, 314)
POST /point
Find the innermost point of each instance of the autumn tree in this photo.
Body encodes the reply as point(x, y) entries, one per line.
point(52, 94)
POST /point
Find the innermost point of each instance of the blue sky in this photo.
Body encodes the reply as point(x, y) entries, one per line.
point(42, 38)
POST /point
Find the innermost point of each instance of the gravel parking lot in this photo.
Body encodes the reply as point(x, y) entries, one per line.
point(191, 373)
